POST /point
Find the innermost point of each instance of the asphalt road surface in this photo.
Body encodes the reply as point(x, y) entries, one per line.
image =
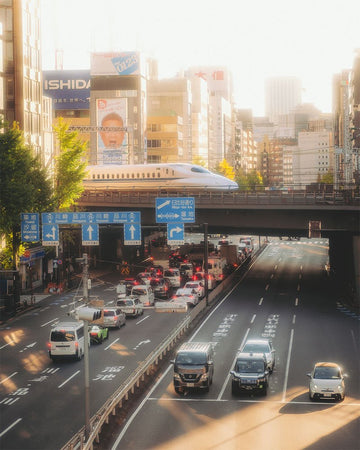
point(285, 297)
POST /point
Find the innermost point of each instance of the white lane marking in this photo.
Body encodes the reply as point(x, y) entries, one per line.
point(294, 318)
point(72, 376)
point(232, 365)
point(300, 276)
point(275, 268)
point(354, 340)
point(47, 323)
point(301, 267)
point(10, 426)
point(253, 318)
point(9, 401)
point(296, 301)
point(8, 378)
point(142, 320)
point(298, 287)
point(267, 287)
point(129, 422)
point(261, 300)
point(271, 276)
point(111, 343)
point(287, 365)
point(9, 343)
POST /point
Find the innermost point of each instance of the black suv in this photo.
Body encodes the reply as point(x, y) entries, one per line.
point(250, 373)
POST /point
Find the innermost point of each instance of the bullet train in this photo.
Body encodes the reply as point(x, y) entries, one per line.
point(172, 176)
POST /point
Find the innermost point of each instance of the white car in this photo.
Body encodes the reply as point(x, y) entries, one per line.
point(188, 296)
point(326, 382)
point(198, 286)
point(131, 306)
point(144, 277)
point(173, 275)
point(200, 276)
point(263, 346)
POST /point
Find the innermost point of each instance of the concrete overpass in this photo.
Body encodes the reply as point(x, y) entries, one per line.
point(263, 213)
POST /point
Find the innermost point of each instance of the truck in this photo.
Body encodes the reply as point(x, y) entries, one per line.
point(216, 266)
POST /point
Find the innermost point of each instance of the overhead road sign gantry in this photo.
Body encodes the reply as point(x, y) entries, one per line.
point(175, 209)
point(132, 234)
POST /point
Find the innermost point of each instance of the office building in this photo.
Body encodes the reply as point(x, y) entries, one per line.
point(282, 95)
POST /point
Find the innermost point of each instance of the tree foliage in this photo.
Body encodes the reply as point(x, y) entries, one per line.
point(225, 169)
point(70, 168)
point(24, 186)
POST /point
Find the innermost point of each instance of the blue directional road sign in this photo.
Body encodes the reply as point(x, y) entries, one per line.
point(175, 209)
point(132, 234)
point(50, 234)
point(90, 234)
point(30, 229)
point(91, 217)
point(175, 233)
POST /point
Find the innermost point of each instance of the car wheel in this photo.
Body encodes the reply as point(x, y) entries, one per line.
point(78, 355)
point(178, 390)
point(264, 391)
point(311, 398)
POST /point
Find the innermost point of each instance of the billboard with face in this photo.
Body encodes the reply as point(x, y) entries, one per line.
point(112, 144)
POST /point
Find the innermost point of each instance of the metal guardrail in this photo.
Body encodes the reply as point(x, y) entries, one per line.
point(128, 386)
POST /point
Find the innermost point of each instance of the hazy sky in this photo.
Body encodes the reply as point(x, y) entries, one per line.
point(311, 39)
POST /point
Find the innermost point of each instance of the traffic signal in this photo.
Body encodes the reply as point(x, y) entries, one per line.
point(86, 313)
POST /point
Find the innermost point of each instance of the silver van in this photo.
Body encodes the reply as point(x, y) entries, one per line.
point(193, 366)
point(67, 340)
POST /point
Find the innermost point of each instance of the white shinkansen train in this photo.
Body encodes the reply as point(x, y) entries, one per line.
point(172, 176)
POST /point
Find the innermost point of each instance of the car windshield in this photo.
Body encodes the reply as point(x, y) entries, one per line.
point(249, 366)
point(139, 292)
point(256, 348)
point(109, 313)
point(192, 285)
point(327, 373)
point(125, 303)
point(191, 358)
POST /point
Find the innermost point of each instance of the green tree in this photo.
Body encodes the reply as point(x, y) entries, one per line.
point(24, 186)
point(327, 178)
point(199, 161)
point(255, 180)
point(70, 166)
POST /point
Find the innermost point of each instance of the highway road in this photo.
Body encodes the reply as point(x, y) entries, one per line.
point(42, 402)
point(286, 297)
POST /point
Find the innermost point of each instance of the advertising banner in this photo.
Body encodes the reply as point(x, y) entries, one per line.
point(70, 89)
point(113, 145)
point(121, 63)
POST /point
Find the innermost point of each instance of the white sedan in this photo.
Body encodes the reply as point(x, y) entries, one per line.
point(327, 382)
point(188, 296)
point(198, 286)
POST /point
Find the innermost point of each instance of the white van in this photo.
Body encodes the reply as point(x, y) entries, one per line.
point(216, 267)
point(144, 293)
point(67, 339)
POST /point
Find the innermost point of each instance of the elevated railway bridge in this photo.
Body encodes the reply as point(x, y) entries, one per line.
point(269, 213)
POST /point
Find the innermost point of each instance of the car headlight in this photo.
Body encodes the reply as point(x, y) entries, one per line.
point(340, 388)
point(177, 376)
point(204, 377)
point(313, 386)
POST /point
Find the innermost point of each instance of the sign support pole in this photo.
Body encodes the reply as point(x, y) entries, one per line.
point(206, 263)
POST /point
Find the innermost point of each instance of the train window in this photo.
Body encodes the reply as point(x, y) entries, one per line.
point(117, 175)
point(108, 176)
point(132, 175)
point(143, 175)
point(138, 175)
point(153, 175)
point(112, 175)
point(167, 171)
point(148, 175)
point(127, 175)
point(159, 175)
point(102, 176)
point(122, 175)
point(199, 169)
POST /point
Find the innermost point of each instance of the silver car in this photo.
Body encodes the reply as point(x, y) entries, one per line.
point(261, 346)
point(327, 382)
point(114, 317)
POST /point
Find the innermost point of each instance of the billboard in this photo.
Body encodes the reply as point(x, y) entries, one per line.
point(119, 63)
point(112, 146)
point(69, 89)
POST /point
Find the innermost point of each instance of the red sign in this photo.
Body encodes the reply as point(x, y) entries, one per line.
point(27, 253)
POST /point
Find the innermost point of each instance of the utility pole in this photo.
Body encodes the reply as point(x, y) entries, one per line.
point(206, 263)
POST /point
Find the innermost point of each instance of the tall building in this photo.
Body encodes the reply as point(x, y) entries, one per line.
point(282, 95)
point(20, 68)
point(118, 111)
point(172, 97)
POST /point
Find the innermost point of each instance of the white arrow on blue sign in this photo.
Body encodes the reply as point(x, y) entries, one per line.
point(132, 234)
point(175, 209)
point(90, 234)
point(30, 229)
point(50, 234)
point(175, 233)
